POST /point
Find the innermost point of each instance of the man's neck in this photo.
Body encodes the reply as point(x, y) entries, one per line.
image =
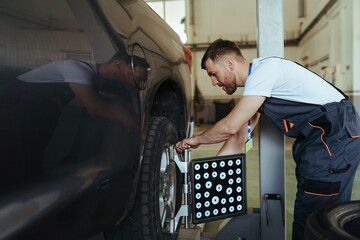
point(243, 72)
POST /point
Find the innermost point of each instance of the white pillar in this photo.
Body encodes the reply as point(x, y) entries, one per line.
point(272, 152)
point(356, 53)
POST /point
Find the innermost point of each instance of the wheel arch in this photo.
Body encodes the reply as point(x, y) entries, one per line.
point(169, 102)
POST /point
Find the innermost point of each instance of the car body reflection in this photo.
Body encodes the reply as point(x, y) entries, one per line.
point(70, 151)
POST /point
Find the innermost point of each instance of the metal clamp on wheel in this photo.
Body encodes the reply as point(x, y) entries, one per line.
point(183, 166)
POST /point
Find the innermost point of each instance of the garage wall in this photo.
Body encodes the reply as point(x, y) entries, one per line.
point(325, 50)
point(331, 48)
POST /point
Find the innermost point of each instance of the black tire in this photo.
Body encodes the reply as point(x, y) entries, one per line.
point(338, 221)
point(144, 222)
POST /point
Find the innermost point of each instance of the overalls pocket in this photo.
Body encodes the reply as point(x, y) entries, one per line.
point(324, 127)
point(320, 188)
point(352, 122)
point(334, 139)
point(314, 194)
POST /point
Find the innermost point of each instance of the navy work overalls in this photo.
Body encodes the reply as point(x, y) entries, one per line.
point(326, 151)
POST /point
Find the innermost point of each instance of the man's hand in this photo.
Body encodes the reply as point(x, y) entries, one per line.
point(187, 143)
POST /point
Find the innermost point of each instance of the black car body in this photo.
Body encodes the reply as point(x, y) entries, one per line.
point(64, 173)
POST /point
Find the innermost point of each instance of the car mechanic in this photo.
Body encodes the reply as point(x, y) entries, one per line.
point(303, 106)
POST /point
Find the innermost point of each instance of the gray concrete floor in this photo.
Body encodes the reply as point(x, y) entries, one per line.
point(252, 173)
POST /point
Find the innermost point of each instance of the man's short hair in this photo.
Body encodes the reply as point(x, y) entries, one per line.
point(121, 56)
point(218, 49)
point(137, 61)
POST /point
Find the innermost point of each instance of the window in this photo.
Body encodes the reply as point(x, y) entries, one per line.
point(173, 12)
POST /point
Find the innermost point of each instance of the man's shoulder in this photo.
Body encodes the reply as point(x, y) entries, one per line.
point(83, 65)
point(77, 62)
point(270, 60)
point(267, 64)
point(271, 65)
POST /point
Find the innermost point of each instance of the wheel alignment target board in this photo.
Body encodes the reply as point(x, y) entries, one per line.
point(218, 187)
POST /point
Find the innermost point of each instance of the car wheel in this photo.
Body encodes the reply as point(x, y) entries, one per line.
point(159, 190)
point(338, 221)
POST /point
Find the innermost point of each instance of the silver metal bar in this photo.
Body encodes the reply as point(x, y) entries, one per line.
point(182, 165)
point(190, 128)
point(187, 154)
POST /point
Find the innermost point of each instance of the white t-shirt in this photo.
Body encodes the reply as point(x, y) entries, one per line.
point(284, 79)
point(73, 71)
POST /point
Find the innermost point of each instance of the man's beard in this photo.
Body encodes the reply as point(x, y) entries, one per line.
point(230, 90)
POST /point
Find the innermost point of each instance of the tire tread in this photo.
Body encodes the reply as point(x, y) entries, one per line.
point(141, 223)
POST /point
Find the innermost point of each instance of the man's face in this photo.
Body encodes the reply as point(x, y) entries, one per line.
point(221, 76)
point(121, 71)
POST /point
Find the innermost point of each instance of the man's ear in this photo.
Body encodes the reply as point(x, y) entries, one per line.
point(229, 63)
point(119, 65)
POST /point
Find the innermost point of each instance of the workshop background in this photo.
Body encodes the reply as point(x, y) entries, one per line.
point(322, 35)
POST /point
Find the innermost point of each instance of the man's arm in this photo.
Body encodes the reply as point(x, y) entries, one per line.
point(96, 106)
point(236, 142)
point(245, 109)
